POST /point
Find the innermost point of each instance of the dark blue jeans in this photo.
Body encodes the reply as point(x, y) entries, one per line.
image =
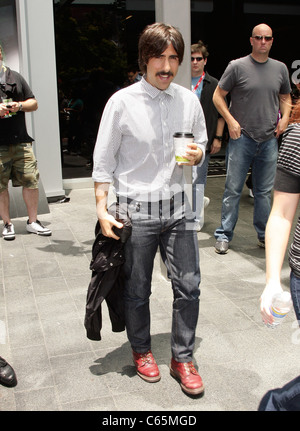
point(241, 153)
point(285, 399)
point(295, 292)
point(153, 228)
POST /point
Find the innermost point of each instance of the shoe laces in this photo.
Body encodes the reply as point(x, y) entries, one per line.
point(190, 368)
point(8, 227)
point(146, 357)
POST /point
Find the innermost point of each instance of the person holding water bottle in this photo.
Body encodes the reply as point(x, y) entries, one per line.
point(279, 226)
point(285, 203)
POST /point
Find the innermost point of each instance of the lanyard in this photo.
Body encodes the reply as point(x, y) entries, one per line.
point(198, 83)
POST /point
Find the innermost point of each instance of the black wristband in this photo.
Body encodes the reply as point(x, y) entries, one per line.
point(220, 138)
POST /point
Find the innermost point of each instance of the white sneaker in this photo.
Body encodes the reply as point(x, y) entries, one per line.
point(38, 228)
point(8, 232)
point(206, 201)
point(251, 193)
point(198, 226)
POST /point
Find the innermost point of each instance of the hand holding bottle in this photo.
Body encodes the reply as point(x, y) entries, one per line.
point(275, 304)
point(272, 288)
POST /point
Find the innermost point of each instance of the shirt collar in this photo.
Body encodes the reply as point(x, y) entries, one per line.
point(155, 92)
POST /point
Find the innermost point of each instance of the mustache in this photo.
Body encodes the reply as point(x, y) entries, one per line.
point(164, 73)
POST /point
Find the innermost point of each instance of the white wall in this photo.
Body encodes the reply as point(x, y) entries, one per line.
point(178, 14)
point(38, 65)
point(8, 31)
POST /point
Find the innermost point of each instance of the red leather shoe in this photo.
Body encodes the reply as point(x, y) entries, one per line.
point(188, 376)
point(146, 366)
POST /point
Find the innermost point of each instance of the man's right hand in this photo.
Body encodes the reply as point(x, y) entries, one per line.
point(3, 109)
point(234, 129)
point(271, 288)
point(107, 222)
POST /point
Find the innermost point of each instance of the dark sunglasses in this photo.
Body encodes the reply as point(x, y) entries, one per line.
point(267, 38)
point(196, 58)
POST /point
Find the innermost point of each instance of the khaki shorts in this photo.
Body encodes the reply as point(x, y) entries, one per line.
point(18, 164)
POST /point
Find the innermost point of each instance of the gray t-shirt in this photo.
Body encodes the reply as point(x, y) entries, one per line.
point(254, 89)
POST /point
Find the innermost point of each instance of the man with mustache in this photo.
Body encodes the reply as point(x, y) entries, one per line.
point(135, 151)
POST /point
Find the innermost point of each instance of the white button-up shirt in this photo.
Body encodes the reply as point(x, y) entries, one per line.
point(134, 148)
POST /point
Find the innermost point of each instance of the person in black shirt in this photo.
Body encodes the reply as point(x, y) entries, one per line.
point(204, 85)
point(17, 160)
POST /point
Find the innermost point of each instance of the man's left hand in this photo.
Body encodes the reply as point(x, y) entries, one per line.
point(281, 127)
point(216, 146)
point(194, 155)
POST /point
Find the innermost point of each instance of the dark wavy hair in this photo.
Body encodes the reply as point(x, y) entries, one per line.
point(295, 113)
point(200, 47)
point(155, 39)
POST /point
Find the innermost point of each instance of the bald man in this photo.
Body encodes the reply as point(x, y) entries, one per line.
point(260, 89)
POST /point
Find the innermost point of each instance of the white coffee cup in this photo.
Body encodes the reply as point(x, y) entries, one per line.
point(181, 140)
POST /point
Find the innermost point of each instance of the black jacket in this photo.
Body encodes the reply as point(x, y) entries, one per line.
point(107, 276)
point(210, 111)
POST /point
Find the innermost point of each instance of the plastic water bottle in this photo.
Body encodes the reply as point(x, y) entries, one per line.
point(281, 305)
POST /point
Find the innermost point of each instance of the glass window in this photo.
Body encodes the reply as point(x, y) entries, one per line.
point(8, 31)
point(96, 52)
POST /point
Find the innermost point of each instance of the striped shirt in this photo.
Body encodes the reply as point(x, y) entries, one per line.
point(134, 148)
point(288, 181)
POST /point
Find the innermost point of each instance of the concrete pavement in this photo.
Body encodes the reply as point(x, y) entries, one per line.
point(43, 284)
